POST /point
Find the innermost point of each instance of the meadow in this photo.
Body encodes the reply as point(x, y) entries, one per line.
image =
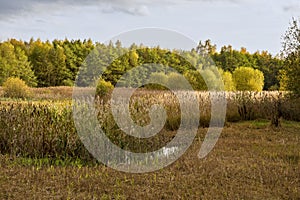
point(42, 157)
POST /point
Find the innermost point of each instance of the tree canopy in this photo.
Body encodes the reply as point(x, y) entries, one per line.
point(248, 79)
point(290, 75)
point(57, 63)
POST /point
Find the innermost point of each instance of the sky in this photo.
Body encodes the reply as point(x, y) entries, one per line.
point(254, 24)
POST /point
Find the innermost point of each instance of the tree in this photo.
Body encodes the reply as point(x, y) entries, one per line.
point(60, 74)
point(133, 58)
point(290, 75)
point(229, 59)
point(195, 79)
point(227, 80)
point(49, 64)
point(76, 52)
point(270, 66)
point(14, 63)
point(38, 56)
point(206, 48)
point(212, 78)
point(248, 79)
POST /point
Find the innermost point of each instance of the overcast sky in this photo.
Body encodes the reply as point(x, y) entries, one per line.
point(254, 24)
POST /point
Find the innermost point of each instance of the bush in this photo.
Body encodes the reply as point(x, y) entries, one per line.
point(15, 88)
point(248, 79)
point(104, 88)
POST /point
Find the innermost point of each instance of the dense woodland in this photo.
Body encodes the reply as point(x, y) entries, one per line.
point(57, 63)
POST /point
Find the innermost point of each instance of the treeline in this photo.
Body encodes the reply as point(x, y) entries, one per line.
point(57, 63)
point(229, 59)
point(43, 64)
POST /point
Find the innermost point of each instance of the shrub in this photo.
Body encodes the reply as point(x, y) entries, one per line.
point(104, 88)
point(248, 79)
point(15, 88)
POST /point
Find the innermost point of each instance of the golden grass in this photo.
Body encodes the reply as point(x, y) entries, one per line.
point(250, 161)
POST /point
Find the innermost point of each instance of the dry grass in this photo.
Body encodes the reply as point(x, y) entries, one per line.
point(55, 93)
point(46, 128)
point(41, 156)
point(250, 161)
point(1, 92)
point(241, 105)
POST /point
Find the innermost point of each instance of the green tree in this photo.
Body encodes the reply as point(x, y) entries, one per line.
point(270, 66)
point(195, 79)
point(14, 63)
point(248, 79)
point(212, 79)
point(229, 59)
point(229, 84)
point(49, 63)
point(76, 52)
point(60, 74)
point(39, 57)
point(290, 77)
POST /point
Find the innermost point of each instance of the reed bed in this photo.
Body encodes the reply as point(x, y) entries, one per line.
point(46, 128)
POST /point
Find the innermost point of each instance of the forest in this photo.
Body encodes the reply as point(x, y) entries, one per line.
point(56, 63)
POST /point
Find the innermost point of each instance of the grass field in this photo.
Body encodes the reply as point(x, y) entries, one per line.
point(42, 157)
point(250, 161)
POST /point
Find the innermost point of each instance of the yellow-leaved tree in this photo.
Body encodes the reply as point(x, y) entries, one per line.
point(248, 79)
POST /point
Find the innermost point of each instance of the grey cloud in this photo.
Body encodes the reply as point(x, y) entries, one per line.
point(8, 7)
point(131, 7)
point(292, 8)
point(140, 10)
point(15, 8)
